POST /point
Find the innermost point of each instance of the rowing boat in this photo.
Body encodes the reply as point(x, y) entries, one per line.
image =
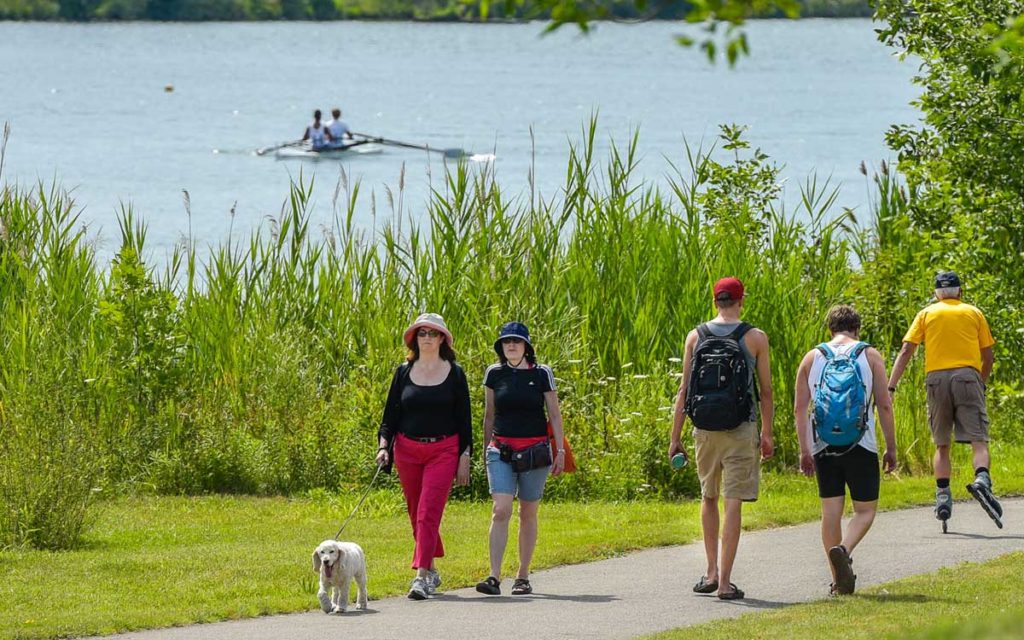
point(306, 152)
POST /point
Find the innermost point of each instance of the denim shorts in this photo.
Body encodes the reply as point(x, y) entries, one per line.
point(528, 485)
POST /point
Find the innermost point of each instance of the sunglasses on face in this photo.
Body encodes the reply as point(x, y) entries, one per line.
point(428, 333)
point(511, 341)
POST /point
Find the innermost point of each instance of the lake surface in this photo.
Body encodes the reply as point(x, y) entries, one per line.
point(87, 105)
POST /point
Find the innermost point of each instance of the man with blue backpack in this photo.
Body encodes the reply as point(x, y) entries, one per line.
point(725, 363)
point(838, 386)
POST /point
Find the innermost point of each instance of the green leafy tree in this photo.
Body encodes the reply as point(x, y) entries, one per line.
point(29, 9)
point(121, 10)
point(964, 164)
point(142, 321)
point(163, 9)
point(295, 9)
point(78, 9)
point(323, 9)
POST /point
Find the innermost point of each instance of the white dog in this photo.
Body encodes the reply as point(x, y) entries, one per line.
point(338, 563)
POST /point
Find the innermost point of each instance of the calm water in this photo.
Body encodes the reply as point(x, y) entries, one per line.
point(87, 105)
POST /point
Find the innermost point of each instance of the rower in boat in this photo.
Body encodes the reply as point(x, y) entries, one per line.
point(316, 133)
point(337, 130)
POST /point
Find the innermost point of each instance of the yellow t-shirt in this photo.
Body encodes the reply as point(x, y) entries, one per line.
point(953, 332)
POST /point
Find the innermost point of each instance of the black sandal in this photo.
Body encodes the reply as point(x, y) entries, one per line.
point(735, 594)
point(705, 586)
point(842, 565)
point(522, 587)
point(491, 586)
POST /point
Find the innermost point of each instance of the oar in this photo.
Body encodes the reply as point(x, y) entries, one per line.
point(448, 153)
point(266, 150)
point(353, 144)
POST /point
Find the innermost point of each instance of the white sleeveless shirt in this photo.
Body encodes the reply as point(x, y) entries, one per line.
point(317, 137)
point(869, 441)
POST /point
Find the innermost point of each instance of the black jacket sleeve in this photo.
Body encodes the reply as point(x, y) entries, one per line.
point(392, 418)
point(463, 412)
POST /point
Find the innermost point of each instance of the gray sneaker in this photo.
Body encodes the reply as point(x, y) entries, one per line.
point(418, 590)
point(433, 581)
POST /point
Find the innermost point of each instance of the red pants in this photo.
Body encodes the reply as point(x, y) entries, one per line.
point(426, 472)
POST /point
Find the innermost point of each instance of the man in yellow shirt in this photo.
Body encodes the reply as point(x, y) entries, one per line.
point(958, 361)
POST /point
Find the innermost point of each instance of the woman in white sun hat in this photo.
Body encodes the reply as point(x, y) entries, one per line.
point(427, 432)
point(520, 399)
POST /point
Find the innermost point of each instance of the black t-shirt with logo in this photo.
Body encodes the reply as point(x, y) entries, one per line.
point(519, 399)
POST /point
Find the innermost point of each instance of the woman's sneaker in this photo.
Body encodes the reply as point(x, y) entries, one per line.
point(418, 590)
point(490, 586)
point(433, 581)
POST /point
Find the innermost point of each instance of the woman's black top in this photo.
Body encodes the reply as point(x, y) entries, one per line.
point(421, 411)
point(519, 399)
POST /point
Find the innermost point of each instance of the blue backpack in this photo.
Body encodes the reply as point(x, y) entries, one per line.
point(841, 399)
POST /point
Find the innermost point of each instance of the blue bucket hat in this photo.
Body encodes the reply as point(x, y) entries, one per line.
point(512, 330)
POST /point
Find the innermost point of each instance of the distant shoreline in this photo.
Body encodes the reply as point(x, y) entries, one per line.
point(116, 11)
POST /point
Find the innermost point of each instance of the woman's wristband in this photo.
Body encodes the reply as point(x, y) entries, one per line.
point(379, 449)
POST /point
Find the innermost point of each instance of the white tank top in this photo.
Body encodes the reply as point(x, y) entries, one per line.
point(869, 441)
point(317, 138)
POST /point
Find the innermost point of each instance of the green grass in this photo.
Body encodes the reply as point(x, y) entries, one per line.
point(217, 558)
point(971, 600)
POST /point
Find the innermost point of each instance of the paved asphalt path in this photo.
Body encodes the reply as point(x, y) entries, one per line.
point(647, 591)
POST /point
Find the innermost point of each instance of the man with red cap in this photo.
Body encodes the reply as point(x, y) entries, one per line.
point(718, 392)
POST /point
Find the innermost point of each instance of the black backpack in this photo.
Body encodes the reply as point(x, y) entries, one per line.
point(719, 396)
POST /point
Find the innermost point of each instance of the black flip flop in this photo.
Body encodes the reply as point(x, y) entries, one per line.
point(704, 586)
point(735, 594)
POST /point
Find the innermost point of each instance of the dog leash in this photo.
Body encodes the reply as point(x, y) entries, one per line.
point(337, 536)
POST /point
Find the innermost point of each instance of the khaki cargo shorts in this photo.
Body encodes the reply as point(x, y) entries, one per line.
point(956, 406)
point(729, 462)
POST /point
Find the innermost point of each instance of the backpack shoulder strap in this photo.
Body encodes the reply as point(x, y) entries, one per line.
point(703, 333)
point(740, 331)
point(858, 349)
point(826, 351)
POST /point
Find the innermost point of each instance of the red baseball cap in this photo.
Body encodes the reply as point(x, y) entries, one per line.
point(728, 289)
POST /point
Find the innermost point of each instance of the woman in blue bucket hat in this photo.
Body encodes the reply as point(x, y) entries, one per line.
point(520, 399)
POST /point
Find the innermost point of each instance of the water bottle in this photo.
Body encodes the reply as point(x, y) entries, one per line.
point(679, 460)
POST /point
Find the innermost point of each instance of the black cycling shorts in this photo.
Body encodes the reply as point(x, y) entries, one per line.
point(857, 469)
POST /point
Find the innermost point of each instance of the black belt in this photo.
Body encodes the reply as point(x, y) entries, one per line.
point(430, 439)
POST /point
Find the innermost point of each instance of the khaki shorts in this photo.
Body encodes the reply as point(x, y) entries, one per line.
point(956, 406)
point(728, 462)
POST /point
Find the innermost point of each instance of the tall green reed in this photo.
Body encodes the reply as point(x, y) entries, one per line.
point(261, 366)
point(50, 463)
